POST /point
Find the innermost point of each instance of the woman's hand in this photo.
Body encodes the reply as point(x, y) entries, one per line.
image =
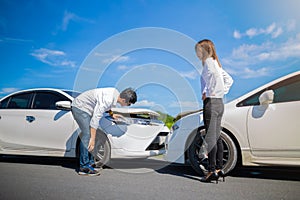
point(203, 96)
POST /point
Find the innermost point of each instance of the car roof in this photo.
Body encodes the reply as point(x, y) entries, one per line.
point(38, 89)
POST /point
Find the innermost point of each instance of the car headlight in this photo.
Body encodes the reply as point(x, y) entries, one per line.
point(175, 127)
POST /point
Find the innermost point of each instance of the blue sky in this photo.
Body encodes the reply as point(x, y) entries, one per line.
point(49, 43)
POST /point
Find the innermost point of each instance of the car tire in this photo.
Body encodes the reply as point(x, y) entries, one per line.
point(198, 156)
point(230, 155)
point(102, 150)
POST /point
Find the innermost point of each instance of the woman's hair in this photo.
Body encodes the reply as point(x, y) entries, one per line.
point(129, 95)
point(208, 50)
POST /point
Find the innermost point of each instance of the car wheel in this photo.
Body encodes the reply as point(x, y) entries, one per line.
point(230, 155)
point(197, 153)
point(102, 150)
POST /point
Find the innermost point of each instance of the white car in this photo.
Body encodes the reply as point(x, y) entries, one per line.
point(261, 128)
point(39, 122)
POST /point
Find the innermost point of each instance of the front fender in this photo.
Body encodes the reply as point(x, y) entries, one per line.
point(179, 136)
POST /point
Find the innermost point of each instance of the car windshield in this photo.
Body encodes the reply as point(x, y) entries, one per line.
point(72, 93)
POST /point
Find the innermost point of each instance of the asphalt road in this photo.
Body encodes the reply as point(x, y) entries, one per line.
point(47, 178)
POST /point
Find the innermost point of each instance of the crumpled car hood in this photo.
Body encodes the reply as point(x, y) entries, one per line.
point(135, 111)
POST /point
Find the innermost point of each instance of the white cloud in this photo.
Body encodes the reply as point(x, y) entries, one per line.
point(144, 103)
point(123, 67)
point(269, 29)
point(109, 58)
point(291, 25)
point(52, 57)
point(273, 30)
point(8, 90)
point(237, 34)
point(15, 40)
point(190, 75)
point(67, 63)
point(268, 51)
point(69, 16)
point(118, 59)
point(185, 105)
point(66, 20)
point(248, 72)
point(252, 73)
point(252, 32)
point(277, 33)
point(250, 60)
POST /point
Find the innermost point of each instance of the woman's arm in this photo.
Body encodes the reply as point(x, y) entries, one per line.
point(228, 81)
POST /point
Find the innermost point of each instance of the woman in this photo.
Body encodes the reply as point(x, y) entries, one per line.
point(215, 82)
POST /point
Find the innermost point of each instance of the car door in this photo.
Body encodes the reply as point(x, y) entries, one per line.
point(49, 129)
point(274, 129)
point(13, 113)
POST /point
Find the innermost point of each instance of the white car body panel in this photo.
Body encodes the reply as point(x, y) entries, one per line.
point(14, 118)
point(284, 139)
point(55, 132)
point(177, 139)
point(130, 139)
point(267, 134)
point(56, 136)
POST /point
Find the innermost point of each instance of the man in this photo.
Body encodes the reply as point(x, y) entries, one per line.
point(87, 109)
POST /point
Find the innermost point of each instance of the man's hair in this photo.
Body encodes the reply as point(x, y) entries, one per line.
point(129, 95)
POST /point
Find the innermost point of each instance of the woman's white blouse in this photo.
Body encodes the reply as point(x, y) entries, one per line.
point(215, 82)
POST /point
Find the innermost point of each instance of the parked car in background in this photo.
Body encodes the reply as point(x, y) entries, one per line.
point(39, 122)
point(261, 128)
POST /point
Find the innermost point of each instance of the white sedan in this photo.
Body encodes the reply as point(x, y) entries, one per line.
point(261, 128)
point(39, 122)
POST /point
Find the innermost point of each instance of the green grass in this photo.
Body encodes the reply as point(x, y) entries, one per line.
point(167, 119)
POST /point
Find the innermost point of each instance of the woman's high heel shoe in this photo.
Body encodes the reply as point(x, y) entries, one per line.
point(221, 173)
point(210, 177)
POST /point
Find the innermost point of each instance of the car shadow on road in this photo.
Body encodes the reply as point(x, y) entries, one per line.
point(153, 165)
point(71, 163)
point(186, 171)
point(274, 173)
point(162, 167)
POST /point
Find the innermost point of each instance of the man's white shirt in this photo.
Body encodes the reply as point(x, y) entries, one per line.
point(96, 102)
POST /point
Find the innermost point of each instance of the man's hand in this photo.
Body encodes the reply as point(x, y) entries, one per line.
point(117, 116)
point(91, 145)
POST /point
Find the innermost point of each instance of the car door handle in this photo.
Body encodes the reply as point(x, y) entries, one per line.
point(30, 118)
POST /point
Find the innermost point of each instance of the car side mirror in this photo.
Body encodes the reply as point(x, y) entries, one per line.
point(63, 105)
point(266, 97)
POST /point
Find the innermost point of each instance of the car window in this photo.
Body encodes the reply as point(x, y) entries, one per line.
point(251, 101)
point(284, 91)
point(287, 90)
point(72, 93)
point(3, 103)
point(47, 100)
point(19, 101)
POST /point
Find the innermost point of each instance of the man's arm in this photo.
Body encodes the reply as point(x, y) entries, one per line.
point(92, 139)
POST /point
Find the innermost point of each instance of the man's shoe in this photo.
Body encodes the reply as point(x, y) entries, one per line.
point(96, 167)
point(88, 171)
